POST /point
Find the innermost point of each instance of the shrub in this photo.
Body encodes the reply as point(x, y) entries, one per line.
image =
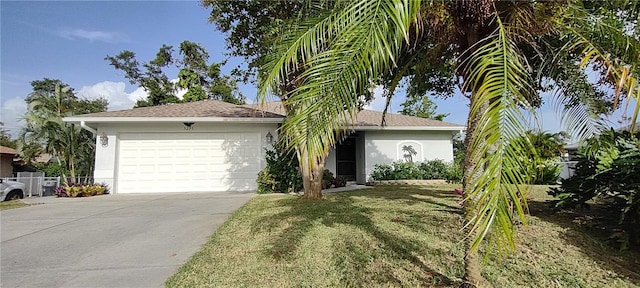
point(81, 190)
point(266, 182)
point(547, 172)
point(382, 172)
point(340, 182)
point(434, 169)
point(406, 170)
point(327, 179)
point(607, 169)
point(281, 172)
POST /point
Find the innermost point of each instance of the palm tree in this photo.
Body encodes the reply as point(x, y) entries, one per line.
point(496, 45)
point(45, 126)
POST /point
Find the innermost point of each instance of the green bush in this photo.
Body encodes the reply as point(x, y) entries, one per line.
point(327, 179)
point(82, 190)
point(266, 183)
point(406, 170)
point(608, 169)
point(281, 172)
point(433, 169)
point(340, 182)
point(382, 172)
point(50, 169)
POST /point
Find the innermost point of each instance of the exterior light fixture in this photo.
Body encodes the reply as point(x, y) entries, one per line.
point(104, 140)
point(269, 138)
point(188, 125)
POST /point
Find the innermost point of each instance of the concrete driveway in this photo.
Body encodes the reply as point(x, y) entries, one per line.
point(108, 241)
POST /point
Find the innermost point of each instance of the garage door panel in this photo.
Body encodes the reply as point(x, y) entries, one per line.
point(149, 162)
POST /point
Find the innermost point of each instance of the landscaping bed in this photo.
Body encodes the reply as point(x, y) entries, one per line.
point(395, 236)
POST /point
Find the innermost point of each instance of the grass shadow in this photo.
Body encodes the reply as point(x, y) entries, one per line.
point(580, 231)
point(303, 215)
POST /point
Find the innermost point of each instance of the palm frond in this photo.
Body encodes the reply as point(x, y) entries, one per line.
point(604, 41)
point(494, 195)
point(336, 60)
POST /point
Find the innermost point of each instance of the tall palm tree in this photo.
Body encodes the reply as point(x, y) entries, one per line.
point(497, 45)
point(45, 126)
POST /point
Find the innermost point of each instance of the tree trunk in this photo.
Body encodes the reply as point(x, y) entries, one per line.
point(64, 176)
point(472, 275)
point(312, 172)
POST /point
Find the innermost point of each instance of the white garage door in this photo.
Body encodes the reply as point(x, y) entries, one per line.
point(188, 162)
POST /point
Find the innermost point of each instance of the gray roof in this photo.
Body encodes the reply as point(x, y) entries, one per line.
point(367, 117)
point(270, 110)
point(205, 108)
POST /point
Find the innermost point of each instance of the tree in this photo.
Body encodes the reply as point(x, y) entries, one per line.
point(421, 107)
point(45, 131)
point(5, 138)
point(253, 26)
point(200, 80)
point(499, 46)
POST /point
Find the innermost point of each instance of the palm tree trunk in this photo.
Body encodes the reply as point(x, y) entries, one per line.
point(64, 176)
point(472, 275)
point(312, 172)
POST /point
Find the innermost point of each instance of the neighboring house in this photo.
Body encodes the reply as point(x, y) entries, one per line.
point(6, 161)
point(217, 146)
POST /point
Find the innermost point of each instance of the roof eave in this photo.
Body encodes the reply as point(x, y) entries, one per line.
point(96, 120)
point(409, 128)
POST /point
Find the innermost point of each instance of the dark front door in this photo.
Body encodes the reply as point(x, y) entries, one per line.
point(346, 159)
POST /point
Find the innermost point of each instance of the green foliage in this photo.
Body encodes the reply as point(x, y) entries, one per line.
point(281, 172)
point(340, 182)
point(50, 169)
point(433, 169)
point(200, 79)
point(607, 170)
point(540, 163)
point(252, 27)
point(6, 140)
point(327, 179)
point(428, 170)
point(45, 132)
point(82, 190)
point(422, 107)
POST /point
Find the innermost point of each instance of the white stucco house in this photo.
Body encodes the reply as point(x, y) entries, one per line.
point(211, 146)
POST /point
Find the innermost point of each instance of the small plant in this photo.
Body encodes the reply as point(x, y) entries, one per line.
point(327, 179)
point(81, 190)
point(266, 182)
point(340, 182)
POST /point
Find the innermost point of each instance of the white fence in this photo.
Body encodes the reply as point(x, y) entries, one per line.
point(36, 184)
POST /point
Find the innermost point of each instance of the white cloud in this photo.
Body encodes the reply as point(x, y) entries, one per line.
point(114, 92)
point(92, 36)
point(12, 111)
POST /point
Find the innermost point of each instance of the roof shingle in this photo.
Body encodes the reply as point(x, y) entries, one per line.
point(368, 117)
point(205, 108)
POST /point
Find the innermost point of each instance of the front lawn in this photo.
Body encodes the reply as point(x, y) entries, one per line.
point(6, 205)
point(394, 236)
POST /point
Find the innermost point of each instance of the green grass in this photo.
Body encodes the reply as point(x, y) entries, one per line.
point(6, 205)
point(394, 236)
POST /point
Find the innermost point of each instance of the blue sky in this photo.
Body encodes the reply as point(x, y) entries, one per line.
point(69, 40)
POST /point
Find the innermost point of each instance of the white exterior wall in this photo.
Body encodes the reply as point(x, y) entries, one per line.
point(383, 147)
point(107, 156)
point(330, 164)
